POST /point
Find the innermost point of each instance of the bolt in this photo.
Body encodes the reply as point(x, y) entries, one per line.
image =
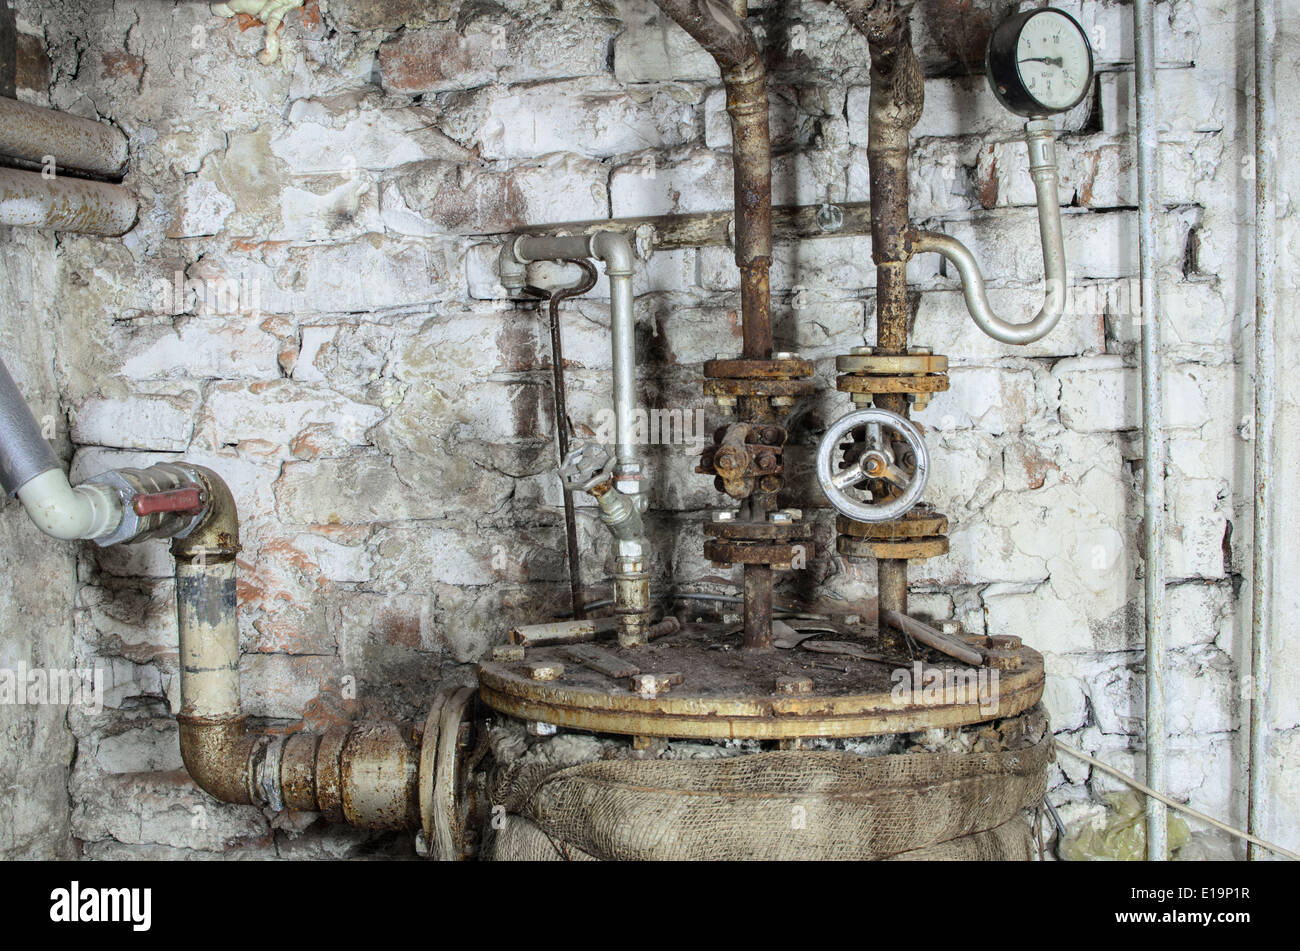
point(784, 355)
point(541, 670)
point(863, 351)
point(794, 685)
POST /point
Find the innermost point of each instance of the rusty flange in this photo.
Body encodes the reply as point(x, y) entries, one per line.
point(783, 557)
point(918, 523)
point(443, 776)
point(735, 530)
point(764, 387)
point(865, 373)
point(789, 368)
point(891, 384)
point(864, 548)
point(916, 363)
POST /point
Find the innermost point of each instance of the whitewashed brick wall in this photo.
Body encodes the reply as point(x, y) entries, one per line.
point(384, 417)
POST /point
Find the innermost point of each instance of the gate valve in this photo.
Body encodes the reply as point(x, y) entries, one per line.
point(881, 446)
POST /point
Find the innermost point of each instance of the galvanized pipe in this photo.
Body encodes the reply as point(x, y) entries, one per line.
point(1153, 449)
point(724, 34)
point(1040, 136)
point(45, 136)
point(29, 199)
point(1261, 606)
point(616, 252)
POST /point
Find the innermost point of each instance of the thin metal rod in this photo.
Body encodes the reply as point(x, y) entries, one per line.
point(1261, 605)
point(1153, 450)
point(585, 283)
point(928, 636)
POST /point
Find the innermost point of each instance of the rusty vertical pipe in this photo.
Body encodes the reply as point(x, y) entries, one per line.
point(758, 606)
point(720, 28)
point(717, 27)
point(897, 97)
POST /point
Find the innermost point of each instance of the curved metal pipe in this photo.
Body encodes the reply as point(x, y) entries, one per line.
point(30, 470)
point(615, 252)
point(726, 37)
point(364, 775)
point(1040, 137)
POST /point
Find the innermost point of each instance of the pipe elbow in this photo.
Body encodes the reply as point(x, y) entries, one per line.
point(218, 532)
point(217, 754)
point(67, 513)
point(615, 251)
point(512, 270)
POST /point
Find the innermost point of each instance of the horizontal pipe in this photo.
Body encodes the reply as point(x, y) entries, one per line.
point(30, 200)
point(716, 229)
point(42, 135)
point(1042, 165)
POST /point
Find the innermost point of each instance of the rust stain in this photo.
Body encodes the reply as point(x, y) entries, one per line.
point(121, 63)
point(1087, 185)
point(1036, 469)
point(988, 186)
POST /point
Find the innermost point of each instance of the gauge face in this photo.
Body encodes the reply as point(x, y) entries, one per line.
point(1040, 63)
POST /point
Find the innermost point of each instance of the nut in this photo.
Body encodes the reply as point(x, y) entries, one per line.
point(506, 653)
point(794, 685)
point(543, 670)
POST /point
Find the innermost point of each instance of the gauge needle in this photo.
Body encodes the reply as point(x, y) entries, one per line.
point(1057, 61)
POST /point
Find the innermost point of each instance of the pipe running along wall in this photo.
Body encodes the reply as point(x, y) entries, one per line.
point(1262, 552)
point(365, 775)
point(620, 498)
point(43, 136)
point(1040, 136)
point(1153, 436)
point(724, 35)
point(896, 99)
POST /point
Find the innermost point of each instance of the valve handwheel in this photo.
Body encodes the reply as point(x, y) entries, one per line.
point(868, 445)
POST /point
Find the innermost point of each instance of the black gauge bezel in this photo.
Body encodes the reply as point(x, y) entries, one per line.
point(1001, 60)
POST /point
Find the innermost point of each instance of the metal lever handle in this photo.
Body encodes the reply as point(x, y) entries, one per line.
point(187, 500)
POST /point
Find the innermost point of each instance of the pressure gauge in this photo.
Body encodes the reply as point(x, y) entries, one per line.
point(1039, 63)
